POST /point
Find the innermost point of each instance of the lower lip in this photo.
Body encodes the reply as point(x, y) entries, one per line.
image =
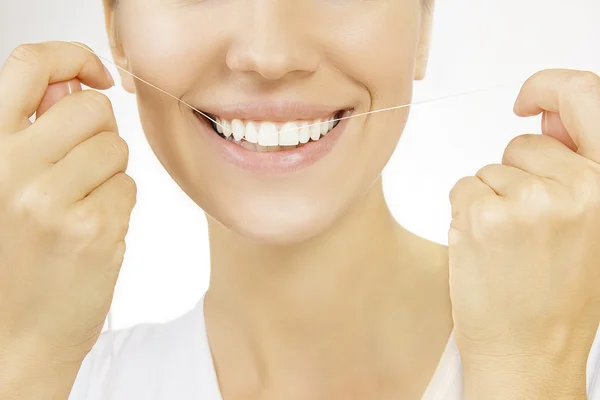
point(279, 162)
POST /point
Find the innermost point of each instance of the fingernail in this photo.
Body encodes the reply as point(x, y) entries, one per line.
point(74, 86)
point(109, 76)
point(545, 122)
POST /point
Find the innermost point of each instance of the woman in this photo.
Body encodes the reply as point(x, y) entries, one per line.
point(316, 292)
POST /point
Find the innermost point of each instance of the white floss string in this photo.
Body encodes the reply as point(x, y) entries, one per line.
point(319, 123)
point(109, 320)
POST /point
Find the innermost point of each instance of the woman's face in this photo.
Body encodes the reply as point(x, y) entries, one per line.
point(271, 69)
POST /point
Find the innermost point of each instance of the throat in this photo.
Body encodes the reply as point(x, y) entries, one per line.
point(365, 295)
point(339, 344)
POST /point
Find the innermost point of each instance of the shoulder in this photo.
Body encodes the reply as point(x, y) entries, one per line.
point(133, 362)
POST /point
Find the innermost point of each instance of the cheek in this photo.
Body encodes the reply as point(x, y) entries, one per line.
point(380, 57)
point(163, 48)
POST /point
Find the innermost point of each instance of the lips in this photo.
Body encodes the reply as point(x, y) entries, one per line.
point(273, 145)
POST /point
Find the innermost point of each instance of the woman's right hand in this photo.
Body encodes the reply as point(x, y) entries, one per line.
point(65, 203)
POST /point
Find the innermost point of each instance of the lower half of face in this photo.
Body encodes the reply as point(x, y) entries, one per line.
point(285, 83)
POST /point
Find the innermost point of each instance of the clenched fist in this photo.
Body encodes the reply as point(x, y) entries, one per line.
point(65, 203)
point(524, 248)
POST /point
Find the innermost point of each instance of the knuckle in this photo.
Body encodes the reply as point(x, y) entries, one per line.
point(114, 146)
point(26, 54)
point(86, 225)
point(533, 189)
point(98, 99)
point(34, 203)
point(475, 209)
point(521, 141)
point(585, 176)
point(76, 43)
point(585, 81)
point(586, 184)
point(97, 104)
point(516, 147)
point(486, 170)
point(458, 187)
point(480, 211)
point(488, 218)
point(129, 183)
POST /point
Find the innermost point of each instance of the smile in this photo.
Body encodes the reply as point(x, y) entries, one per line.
point(271, 139)
point(269, 136)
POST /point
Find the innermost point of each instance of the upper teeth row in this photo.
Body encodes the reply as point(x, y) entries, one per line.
point(268, 133)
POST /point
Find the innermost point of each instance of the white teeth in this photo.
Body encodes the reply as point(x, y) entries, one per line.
point(238, 128)
point(304, 134)
point(276, 136)
point(315, 130)
point(324, 127)
point(251, 132)
point(288, 135)
point(268, 134)
point(226, 128)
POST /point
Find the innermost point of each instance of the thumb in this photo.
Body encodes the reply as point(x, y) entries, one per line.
point(55, 92)
point(575, 95)
point(553, 126)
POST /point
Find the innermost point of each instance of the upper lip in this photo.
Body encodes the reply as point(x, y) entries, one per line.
point(275, 111)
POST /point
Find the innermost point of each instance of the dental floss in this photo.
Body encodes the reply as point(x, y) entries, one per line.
point(319, 123)
point(110, 317)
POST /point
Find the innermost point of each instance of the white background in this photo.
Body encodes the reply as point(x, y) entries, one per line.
point(476, 44)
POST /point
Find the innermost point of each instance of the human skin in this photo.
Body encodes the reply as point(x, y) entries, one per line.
point(286, 285)
point(65, 203)
point(305, 232)
point(523, 250)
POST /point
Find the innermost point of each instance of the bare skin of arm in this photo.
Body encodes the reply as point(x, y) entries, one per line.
point(523, 250)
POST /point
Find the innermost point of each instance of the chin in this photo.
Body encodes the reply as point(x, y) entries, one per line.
point(278, 225)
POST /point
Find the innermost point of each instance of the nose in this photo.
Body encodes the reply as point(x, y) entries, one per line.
point(273, 43)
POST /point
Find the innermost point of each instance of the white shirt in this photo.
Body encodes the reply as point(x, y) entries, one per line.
point(172, 361)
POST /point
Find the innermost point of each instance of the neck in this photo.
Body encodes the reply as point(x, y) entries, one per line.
point(351, 259)
point(346, 288)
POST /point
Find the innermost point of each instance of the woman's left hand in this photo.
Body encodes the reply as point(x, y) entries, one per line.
point(524, 249)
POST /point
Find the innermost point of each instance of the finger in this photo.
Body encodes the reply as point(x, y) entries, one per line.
point(503, 179)
point(575, 96)
point(29, 70)
point(465, 191)
point(72, 120)
point(89, 165)
point(552, 126)
point(541, 155)
point(55, 92)
point(115, 199)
